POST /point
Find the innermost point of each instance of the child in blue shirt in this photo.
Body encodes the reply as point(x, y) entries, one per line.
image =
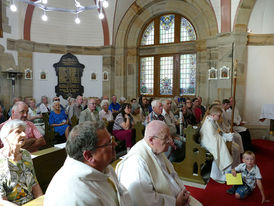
point(251, 176)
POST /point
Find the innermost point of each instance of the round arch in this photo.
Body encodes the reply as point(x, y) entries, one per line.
point(243, 13)
point(199, 12)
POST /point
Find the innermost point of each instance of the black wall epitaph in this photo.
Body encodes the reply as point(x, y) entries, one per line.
point(69, 72)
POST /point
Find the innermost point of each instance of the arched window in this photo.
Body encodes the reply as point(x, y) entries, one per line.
point(166, 73)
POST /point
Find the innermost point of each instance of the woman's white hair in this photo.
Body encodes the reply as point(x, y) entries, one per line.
point(9, 127)
point(104, 102)
point(154, 102)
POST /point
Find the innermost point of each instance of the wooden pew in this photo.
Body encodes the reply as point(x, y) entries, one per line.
point(139, 127)
point(74, 121)
point(196, 157)
point(46, 163)
point(49, 131)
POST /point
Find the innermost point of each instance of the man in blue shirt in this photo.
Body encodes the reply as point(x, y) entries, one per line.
point(114, 106)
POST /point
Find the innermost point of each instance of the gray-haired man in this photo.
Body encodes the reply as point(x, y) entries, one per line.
point(86, 178)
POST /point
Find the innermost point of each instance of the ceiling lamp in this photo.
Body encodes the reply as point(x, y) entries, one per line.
point(41, 4)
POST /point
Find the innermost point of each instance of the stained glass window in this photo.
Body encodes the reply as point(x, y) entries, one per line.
point(147, 75)
point(187, 74)
point(167, 28)
point(187, 30)
point(148, 35)
point(166, 75)
point(157, 71)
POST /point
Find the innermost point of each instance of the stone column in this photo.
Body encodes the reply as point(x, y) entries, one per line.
point(25, 86)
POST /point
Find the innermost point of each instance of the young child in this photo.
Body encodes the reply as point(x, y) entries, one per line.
point(251, 176)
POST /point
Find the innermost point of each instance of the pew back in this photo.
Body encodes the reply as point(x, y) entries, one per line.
point(47, 163)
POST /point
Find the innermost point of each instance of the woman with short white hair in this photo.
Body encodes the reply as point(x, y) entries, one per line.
point(18, 183)
point(105, 114)
point(59, 121)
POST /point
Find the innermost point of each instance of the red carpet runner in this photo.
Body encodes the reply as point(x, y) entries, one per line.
point(215, 194)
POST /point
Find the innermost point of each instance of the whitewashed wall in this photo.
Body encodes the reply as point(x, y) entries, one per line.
point(234, 7)
point(262, 17)
point(61, 28)
point(260, 84)
point(45, 61)
point(216, 4)
point(260, 70)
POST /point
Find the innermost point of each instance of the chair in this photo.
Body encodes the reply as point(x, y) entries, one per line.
point(196, 161)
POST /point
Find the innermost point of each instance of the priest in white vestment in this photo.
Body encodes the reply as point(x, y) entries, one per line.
point(87, 178)
point(148, 175)
point(215, 144)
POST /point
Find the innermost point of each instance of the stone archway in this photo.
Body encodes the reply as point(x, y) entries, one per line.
point(125, 73)
point(243, 13)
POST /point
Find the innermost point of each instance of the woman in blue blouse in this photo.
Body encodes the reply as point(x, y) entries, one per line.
point(59, 120)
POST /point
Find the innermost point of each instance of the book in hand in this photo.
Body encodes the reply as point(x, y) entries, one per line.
point(231, 180)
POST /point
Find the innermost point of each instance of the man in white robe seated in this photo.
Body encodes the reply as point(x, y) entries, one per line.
point(214, 142)
point(87, 178)
point(148, 175)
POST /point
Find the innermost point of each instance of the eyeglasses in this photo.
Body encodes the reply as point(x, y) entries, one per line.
point(57, 99)
point(112, 139)
point(165, 140)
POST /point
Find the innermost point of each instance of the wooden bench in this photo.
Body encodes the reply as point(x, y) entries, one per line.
point(139, 127)
point(196, 158)
point(51, 137)
point(49, 131)
point(74, 121)
point(46, 163)
point(36, 202)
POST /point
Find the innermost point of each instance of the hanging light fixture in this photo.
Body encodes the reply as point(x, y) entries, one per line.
point(105, 4)
point(100, 15)
point(44, 16)
point(41, 4)
point(77, 20)
point(13, 7)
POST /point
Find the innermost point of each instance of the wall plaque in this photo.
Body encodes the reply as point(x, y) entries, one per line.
point(69, 72)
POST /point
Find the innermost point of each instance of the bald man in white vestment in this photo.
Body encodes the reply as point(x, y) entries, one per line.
point(87, 178)
point(148, 175)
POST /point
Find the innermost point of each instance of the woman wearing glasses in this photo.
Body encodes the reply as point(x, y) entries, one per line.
point(123, 126)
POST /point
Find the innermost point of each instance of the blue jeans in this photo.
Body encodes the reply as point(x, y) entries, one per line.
point(243, 190)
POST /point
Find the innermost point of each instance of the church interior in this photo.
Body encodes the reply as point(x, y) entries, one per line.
point(160, 49)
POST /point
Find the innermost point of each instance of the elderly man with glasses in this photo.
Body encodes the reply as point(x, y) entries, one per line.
point(90, 113)
point(149, 175)
point(87, 178)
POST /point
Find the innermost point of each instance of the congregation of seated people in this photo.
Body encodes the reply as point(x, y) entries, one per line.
point(94, 114)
